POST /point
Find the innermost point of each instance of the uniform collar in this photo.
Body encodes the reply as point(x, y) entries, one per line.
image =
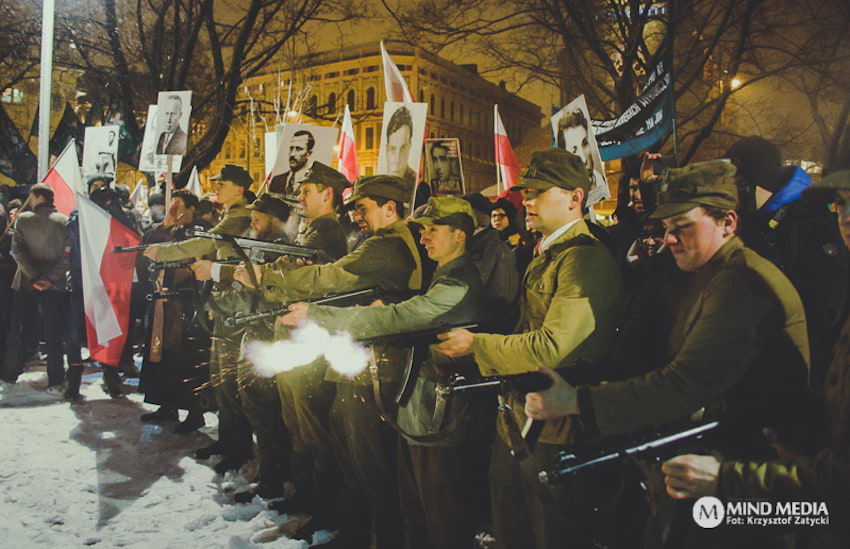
point(456, 262)
point(547, 242)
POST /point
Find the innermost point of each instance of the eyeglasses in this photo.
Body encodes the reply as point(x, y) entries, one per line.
point(498, 215)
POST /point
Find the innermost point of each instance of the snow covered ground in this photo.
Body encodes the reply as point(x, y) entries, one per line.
point(93, 475)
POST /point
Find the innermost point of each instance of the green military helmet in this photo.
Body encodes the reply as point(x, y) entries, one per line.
point(235, 173)
point(710, 184)
point(448, 210)
point(389, 187)
point(325, 175)
point(826, 189)
point(555, 168)
point(272, 204)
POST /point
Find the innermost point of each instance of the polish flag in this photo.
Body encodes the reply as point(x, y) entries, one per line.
point(347, 157)
point(194, 184)
point(507, 166)
point(65, 179)
point(107, 280)
point(394, 83)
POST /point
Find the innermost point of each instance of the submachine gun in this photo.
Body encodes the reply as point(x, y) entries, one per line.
point(258, 247)
point(345, 299)
point(657, 446)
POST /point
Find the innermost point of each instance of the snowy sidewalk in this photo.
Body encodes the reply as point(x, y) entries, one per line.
point(93, 475)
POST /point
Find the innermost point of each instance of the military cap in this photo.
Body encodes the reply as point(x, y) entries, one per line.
point(555, 168)
point(709, 184)
point(271, 204)
point(381, 186)
point(325, 175)
point(448, 210)
point(825, 189)
point(235, 173)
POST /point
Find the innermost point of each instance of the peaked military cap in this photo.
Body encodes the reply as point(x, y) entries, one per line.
point(825, 188)
point(555, 168)
point(381, 186)
point(235, 173)
point(448, 210)
point(271, 204)
point(325, 175)
point(709, 183)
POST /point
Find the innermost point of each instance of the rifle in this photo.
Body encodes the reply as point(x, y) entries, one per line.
point(168, 295)
point(162, 265)
point(568, 463)
point(130, 249)
point(526, 383)
point(257, 246)
point(414, 338)
point(345, 299)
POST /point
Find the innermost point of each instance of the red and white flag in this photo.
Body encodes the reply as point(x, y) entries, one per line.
point(65, 179)
point(107, 280)
point(194, 184)
point(507, 166)
point(347, 163)
point(394, 83)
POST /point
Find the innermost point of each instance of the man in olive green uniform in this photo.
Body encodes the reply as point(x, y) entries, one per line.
point(738, 346)
point(389, 259)
point(256, 397)
point(434, 488)
point(305, 395)
point(571, 300)
point(824, 477)
point(234, 432)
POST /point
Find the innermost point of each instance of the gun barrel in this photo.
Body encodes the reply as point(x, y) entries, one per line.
point(130, 249)
point(165, 295)
point(528, 383)
point(261, 245)
point(567, 463)
point(335, 300)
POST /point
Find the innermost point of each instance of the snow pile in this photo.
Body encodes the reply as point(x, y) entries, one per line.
point(93, 475)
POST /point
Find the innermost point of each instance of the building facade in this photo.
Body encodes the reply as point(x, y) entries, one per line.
point(460, 104)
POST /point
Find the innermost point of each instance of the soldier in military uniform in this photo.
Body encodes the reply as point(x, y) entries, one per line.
point(738, 345)
point(823, 477)
point(305, 395)
point(571, 299)
point(364, 444)
point(256, 397)
point(234, 439)
point(434, 487)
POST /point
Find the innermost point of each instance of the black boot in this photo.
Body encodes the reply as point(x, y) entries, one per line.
point(193, 422)
point(75, 379)
point(112, 382)
point(214, 449)
point(163, 414)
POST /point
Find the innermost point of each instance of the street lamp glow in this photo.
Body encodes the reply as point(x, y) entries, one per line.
point(735, 83)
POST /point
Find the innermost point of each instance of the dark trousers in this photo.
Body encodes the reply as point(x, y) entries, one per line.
point(527, 514)
point(25, 306)
point(234, 430)
point(436, 496)
point(366, 452)
point(261, 405)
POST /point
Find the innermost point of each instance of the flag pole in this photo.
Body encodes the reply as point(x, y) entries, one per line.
point(45, 85)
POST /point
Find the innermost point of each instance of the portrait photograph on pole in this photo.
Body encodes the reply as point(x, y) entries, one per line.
point(573, 132)
point(100, 151)
point(402, 134)
point(298, 146)
point(147, 160)
point(174, 109)
point(443, 168)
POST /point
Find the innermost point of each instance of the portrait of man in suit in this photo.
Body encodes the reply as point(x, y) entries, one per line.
point(300, 159)
point(173, 139)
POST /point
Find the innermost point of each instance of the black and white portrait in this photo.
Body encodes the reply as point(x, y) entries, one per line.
point(443, 165)
point(573, 132)
point(402, 133)
point(173, 111)
point(100, 151)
